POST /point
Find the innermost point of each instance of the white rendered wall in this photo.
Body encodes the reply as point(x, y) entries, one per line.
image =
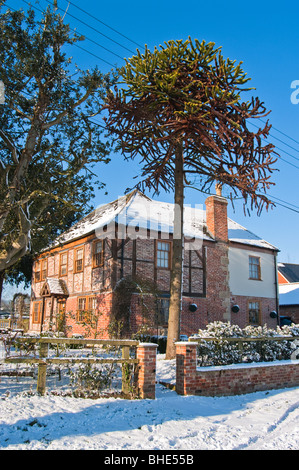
point(240, 284)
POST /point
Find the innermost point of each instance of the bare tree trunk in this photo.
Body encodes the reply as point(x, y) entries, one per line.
point(173, 334)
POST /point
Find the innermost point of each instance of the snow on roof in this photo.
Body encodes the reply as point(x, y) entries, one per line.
point(57, 286)
point(136, 212)
point(289, 294)
point(239, 234)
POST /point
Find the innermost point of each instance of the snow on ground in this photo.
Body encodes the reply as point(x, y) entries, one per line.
point(262, 420)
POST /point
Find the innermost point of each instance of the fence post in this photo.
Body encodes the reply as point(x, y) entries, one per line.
point(185, 367)
point(125, 370)
point(146, 370)
point(42, 369)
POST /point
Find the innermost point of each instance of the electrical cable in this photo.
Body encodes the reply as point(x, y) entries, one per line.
point(76, 45)
point(94, 29)
point(105, 24)
point(290, 146)
point(291, 138)
point(281, 203)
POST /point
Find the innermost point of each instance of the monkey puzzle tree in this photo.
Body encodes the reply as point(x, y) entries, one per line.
point(181, 112)
point(47, 140)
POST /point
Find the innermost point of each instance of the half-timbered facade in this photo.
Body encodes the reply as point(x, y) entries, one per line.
point(229, 273)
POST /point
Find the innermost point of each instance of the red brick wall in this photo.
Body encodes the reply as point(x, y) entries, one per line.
point(267, 306)
point(104, 304)
point(230, 380)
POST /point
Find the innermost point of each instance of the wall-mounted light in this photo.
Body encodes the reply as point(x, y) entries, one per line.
point(192, 307)
point(273, 314)
point(235, 308)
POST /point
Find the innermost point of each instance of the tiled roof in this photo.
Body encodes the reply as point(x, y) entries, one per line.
point(289, 271)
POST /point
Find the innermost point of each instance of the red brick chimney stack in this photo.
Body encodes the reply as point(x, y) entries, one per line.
point(216, 215)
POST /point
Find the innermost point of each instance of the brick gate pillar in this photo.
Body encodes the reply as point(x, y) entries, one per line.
point(185, 368)
point(146, 369)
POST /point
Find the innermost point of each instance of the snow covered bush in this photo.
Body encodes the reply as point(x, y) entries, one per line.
point(89, 380)
point(226, 346)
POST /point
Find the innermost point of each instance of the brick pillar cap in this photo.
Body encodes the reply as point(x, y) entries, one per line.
point(189, 343)
point(154, 345)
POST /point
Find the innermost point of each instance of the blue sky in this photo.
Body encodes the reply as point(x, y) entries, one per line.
point(261, 34)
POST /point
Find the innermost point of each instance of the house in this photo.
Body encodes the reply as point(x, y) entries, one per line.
point(287, 273)
point(288, 279)
point(112, 269)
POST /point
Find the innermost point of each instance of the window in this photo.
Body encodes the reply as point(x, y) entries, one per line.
point(86, 309)
point(44, 270)
point(63, 264)
point(254, 313)
point(40, 270)
point(79, 260)
point(82, 308)
point(254, 268)
point(162, 312)
point(98, 253)
point(163, 255)
point(37, 272)
point(92, 304)
point(36, 315)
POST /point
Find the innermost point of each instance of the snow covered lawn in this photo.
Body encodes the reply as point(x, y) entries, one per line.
point(261, 420)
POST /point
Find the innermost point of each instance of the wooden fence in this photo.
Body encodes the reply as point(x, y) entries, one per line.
point(44, 360)
point(5, 323)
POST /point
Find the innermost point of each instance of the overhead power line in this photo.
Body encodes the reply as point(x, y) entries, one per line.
point(87, 38)
point(284, 205)
point(289, 203)
point(291, 138)
point(96, 30)
point(282, 150)
point(105, 24)
point(277, 201)
point(282, 141)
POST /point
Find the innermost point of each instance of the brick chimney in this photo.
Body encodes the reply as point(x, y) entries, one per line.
point(218, 287)
point(216, 216)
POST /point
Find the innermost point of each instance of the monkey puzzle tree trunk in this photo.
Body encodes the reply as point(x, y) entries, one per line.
point(173, 334)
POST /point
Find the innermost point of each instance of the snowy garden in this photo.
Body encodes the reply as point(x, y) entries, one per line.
point(262, 420)
point(61, 420)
